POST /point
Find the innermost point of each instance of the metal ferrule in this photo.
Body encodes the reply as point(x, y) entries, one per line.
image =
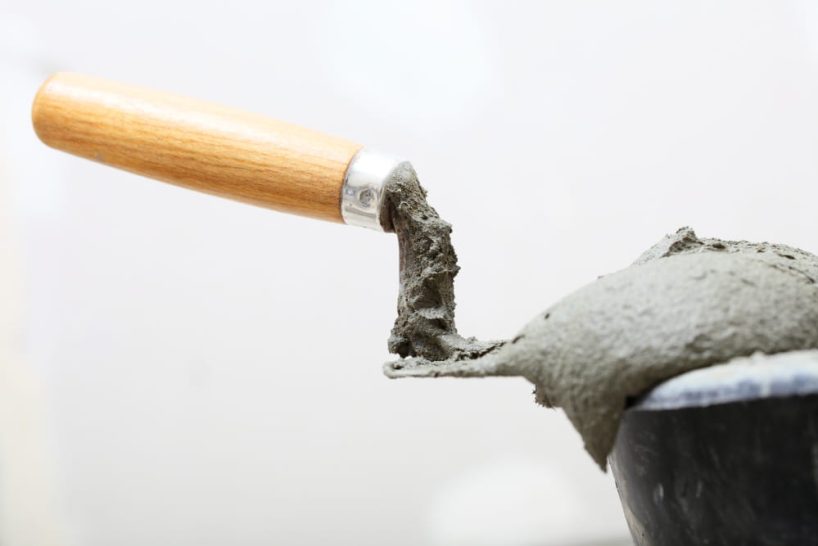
point(362, 196)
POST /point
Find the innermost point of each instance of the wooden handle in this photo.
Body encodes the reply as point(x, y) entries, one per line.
point(195, 144)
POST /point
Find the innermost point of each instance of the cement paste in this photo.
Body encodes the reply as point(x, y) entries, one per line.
point(428, 265)
point(684, 304)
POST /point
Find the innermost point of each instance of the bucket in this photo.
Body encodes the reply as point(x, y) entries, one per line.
point(724, 455)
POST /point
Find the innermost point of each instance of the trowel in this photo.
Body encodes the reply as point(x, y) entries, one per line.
point(697, 454)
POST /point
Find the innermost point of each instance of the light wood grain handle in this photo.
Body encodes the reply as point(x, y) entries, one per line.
point(195, 144)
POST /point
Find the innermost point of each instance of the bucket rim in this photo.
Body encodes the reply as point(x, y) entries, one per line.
point(756, 377)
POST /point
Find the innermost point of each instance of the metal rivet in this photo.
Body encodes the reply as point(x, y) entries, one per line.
point(366, 197)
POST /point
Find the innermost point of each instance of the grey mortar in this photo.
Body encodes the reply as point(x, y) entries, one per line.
point(425, 325)
point(684, 304)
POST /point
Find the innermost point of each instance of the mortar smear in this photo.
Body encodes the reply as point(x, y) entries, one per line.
point(684, 304)
point(425, 325)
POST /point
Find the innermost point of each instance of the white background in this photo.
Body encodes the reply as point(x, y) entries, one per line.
point(185, 370)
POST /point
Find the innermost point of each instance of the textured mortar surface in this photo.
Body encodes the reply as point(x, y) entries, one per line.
point(425, 325)
point(684, 304)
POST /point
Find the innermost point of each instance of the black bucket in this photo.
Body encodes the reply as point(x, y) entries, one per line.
point(726, 455)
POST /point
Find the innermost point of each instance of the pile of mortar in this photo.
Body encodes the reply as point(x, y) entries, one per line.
point(684, 304)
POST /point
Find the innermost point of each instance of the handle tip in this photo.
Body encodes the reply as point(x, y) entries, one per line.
point(38, 115)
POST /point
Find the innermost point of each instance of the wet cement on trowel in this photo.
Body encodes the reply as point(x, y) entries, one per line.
point(684, 304)
point(425, 325)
